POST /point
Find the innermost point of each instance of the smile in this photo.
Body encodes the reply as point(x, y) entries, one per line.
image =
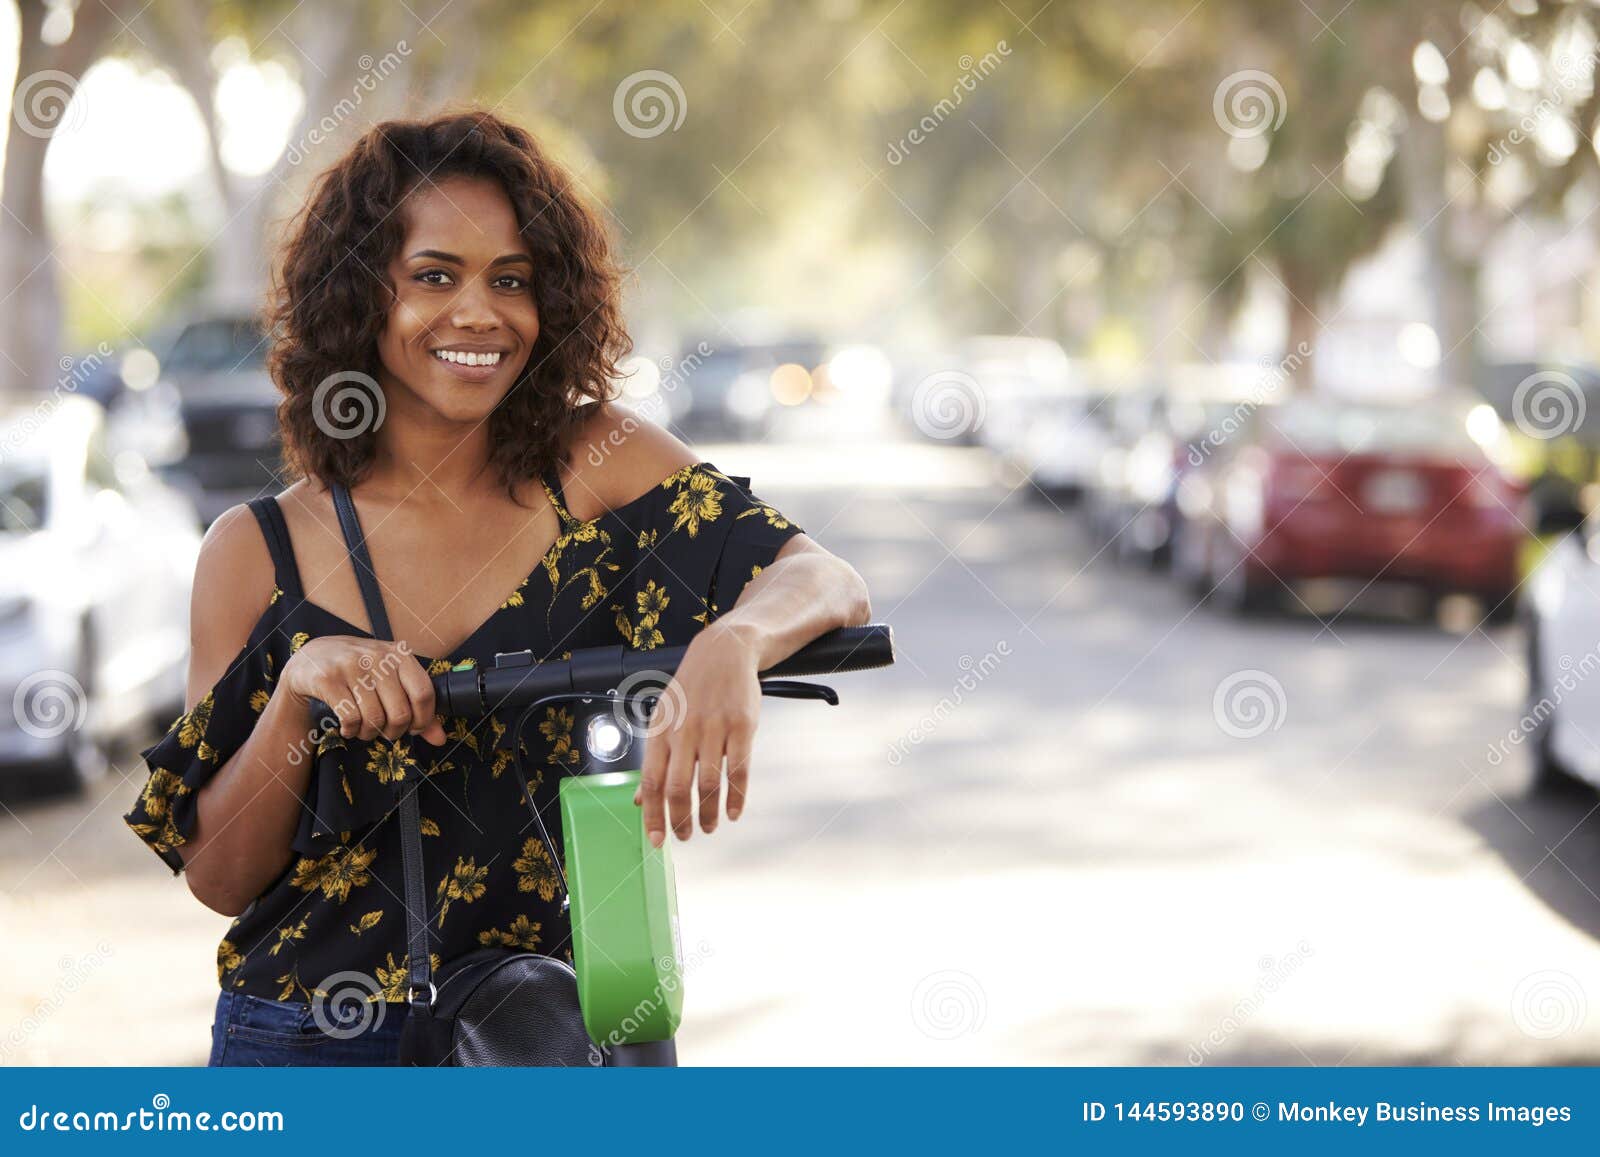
point(465, 358)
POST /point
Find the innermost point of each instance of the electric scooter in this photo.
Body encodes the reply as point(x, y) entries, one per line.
point(622, 894)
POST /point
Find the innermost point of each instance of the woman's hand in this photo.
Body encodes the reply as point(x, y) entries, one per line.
point(375, 687)
point(715, 700)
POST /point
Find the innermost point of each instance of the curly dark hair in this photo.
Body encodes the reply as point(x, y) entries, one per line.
point(331, 291)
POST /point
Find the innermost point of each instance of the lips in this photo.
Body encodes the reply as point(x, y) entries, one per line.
point(490, 361)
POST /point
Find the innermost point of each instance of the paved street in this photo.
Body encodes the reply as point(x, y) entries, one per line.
point(1043, 837)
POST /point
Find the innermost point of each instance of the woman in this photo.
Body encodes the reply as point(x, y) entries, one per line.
point(446, 329)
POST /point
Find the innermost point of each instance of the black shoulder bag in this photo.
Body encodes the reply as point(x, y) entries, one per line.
point(490, 1006)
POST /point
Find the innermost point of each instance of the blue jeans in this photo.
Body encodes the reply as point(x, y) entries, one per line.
point(250, 1030)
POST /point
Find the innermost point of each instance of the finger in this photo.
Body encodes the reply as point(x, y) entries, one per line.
point(680, 783)
point(371, 708)
point(344, 706)
point(739, 743)
point(419, 691)
point(710, 781)
point(652, 783)
point(396, 706)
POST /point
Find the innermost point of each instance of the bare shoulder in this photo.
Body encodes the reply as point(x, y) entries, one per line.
point(618, 457)
point(234, 564)
point(233, 585)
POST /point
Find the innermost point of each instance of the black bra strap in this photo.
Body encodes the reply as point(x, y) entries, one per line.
point(276, 531)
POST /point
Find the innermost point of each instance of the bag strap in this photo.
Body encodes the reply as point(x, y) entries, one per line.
point(420, 989)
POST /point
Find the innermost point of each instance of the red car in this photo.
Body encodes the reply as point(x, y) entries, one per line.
point(1320, 488)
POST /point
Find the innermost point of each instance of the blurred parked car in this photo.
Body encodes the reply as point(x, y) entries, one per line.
point(1063, 444)
point(1157, 435)
point(96, 558)
point(229, 405)
point(732, 390)
point(1561, 608)
point(1321, 488)
point(1020, 378)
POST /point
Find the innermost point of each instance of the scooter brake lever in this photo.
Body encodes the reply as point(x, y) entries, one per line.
point(798, 689)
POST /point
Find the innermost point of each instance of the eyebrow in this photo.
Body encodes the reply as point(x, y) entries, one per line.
point(503, 259)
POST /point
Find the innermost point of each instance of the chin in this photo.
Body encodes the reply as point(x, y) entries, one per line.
point(466, 407)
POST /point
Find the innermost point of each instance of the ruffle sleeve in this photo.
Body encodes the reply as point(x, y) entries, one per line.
point(200, 741)
point(701, 538)
point(351, 784)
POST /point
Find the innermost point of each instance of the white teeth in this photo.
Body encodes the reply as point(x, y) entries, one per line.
point(467, 359)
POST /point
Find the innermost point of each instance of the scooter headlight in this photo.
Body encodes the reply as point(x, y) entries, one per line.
point(605, 738)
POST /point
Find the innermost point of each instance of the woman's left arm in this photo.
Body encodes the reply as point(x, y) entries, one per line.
point(804, 592)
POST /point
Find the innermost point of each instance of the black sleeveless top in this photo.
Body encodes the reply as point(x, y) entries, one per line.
point(647, 574)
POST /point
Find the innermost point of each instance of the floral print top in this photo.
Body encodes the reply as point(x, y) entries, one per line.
point(647, 574)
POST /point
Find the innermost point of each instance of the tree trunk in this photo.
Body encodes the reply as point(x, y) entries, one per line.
point(1304, 292)
point(31, 322)
point(1450, 268)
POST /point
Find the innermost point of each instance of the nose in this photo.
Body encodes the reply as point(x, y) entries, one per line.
point(474, 309)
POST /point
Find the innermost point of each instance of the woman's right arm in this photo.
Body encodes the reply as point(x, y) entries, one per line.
point(248, 812)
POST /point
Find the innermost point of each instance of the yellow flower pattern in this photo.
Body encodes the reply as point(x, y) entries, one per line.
point(464, 882)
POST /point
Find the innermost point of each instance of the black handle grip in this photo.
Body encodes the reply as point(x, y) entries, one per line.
point(839, 651)
point(474, 691)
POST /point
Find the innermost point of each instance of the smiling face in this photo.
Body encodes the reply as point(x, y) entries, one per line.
point(464, 319)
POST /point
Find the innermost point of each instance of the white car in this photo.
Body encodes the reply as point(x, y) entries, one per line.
point(1063, 447)
point(96, 559)
point(1561, 608)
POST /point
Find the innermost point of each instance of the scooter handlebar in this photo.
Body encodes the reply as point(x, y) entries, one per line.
point(516, 680)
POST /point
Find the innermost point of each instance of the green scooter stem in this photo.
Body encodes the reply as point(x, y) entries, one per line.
point(626, 946)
